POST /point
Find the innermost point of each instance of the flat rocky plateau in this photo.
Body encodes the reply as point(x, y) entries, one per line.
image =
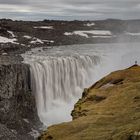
point(19, 36)
point(108, 110)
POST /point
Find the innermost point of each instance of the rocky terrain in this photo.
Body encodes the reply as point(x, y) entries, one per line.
point(108, 110)
point(19, 36)
point(18, 115)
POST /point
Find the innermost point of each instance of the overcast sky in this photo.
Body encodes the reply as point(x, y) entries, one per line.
point(69, 9)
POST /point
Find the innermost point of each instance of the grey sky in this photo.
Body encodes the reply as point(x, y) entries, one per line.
point(69, 9)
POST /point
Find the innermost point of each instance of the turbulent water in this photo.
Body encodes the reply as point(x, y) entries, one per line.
point(59, 74)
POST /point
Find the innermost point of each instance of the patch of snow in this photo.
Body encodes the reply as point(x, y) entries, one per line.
point(36, 41)
point(4, 53)
point(12, 34)
point(14, 131)
point(26, 120)
point(133, 34)
point(81, 33)
point(68, 33)
point(43, 27)
point(7, 40)
point(27, 36)
point(98, 32)
point(34, 133)
point(89, 24)
point(48, 41)
point(94, 32)
point(107, 86)
point(16, 43)
point(102, 36)
point(23, 45)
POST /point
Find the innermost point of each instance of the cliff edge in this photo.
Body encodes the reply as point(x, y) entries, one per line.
point(108, 110)
point(18, 113)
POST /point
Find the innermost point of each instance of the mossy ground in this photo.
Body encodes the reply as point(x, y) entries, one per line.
point(110, 110)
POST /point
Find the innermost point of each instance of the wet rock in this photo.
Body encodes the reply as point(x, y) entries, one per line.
point(17, 103)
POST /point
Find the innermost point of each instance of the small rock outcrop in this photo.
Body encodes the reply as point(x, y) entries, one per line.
point(108, 110)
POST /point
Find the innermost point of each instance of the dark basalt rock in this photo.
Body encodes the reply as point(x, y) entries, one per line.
point(18, 114)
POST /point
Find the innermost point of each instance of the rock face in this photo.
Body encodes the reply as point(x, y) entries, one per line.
point(108, 110)
point(18, 115)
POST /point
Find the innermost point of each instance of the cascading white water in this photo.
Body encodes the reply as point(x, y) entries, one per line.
point(58, 82)
point(59, 75)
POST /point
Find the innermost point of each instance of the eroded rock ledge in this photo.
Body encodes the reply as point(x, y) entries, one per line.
point(18, 115)
point(108, 110)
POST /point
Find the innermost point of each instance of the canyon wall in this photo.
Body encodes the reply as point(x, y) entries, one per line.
point(18, 114)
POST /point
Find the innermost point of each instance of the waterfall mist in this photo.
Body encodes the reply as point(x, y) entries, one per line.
point(57, 83)
point(59, 75)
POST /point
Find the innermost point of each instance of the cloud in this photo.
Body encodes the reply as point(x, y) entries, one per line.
point(18, 2)
point(69, 9)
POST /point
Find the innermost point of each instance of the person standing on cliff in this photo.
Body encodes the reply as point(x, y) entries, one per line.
point(136, 63)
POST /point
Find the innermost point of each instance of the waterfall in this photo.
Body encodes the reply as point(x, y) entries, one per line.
point(59, 75)
point(58, 82)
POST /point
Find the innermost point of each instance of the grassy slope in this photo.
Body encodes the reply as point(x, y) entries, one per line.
point(109, 110)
